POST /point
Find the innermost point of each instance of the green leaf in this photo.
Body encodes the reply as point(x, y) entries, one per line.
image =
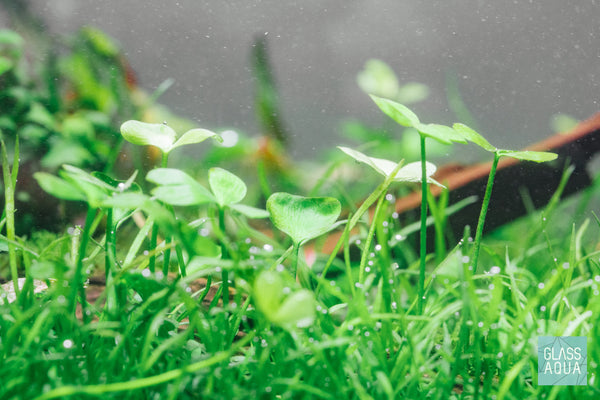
point(536, 156)
point(58, 187)
point(178, 188)
point(409, 173)
point(303, 218)
point(142, 134)
point(412, 92)
point(379, 79)
point(441, 133)
point(296, 310)
point(196, 136)
point(127, 201)
point(473, 137)
point(250, 212)
point(227, 188)
point(396, 111)
point(5, 65)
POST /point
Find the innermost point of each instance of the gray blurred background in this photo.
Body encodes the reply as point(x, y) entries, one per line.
point(517, 63)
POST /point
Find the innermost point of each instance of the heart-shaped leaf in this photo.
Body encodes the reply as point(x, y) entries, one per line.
point(143, 133)
point(396, 111)
point(303, 218)
point(177, 188)
point(409, 173)
point(227, 188)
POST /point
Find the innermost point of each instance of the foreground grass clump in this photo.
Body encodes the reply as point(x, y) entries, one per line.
point(197, 303)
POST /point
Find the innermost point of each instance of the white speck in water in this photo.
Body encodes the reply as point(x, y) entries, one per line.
point(67, 344)
point(367, 269)
point(286, 290)
point(389, 197)
point(480, 324)
point(146, 272)
point(500, 355)
point(395, 215)
point(268, 247)
point(385, 224)
point(217, 269)
point(280, 268)
point(543, 308)
point(491, 286)
point(565, 265)
point(394, 305)
point(230, 138)
point(541, 285)
point(597, 278)
point(61, 299)
point(399, 237)
point(377, 247)
point(465, 259)
point(204, 232)
point(495, 270)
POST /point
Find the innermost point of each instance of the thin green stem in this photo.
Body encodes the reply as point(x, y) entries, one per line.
point(482, 214)
point(224, 272)
point(423, 233)
point(367, 249)
point(9, 207)
point(296, 254)
point(77, 284)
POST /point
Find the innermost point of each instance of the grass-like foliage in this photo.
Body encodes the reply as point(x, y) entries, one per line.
point(199, 301)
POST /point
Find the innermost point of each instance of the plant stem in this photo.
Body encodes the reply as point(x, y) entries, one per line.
point(367, 248)
point(484, 207)
point(296, 254)
point(10, 179)
point(77, 284)
point(423, 233)
point(224, 272)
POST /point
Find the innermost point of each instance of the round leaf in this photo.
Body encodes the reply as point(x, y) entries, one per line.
point(142, 133)
point(227, 188)
point(303, 218)
point(297, 310)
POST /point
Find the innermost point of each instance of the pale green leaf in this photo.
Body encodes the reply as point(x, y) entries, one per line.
point(396, 111)
point(536, 156)
point(143, 133)
point(227, 188)
point(250, 212)
point(196, 136)
point(474, 137)
point(441, 133)
point(58, 187)
point(409, 173)
point(178, 188)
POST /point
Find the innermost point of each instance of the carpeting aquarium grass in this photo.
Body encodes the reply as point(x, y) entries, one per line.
point(198, 302)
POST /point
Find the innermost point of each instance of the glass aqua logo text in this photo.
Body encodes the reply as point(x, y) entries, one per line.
point(562, 360)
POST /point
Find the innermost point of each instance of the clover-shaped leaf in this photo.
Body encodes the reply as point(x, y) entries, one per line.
point(303, 218)
point(408, 173)
point(177, 188)
point(162, 136)
point(295, 310)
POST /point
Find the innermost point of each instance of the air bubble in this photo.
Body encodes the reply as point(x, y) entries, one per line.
point(541, 285)
point(67, 344)
point(566, 265)
point(377, 247)
point(465, 259)
point(268, 247)
point(495, 270)
point(543, 308)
